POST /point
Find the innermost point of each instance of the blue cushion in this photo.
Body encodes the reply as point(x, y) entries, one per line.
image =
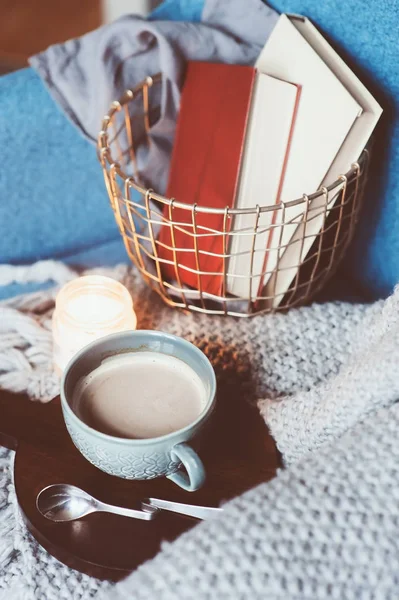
point(53, 195)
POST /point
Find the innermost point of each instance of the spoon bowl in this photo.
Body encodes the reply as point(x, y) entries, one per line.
point(63, 502)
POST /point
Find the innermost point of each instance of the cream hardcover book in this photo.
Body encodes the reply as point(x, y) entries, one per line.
point(270, 124)
point(353, 145)
point(326, 113)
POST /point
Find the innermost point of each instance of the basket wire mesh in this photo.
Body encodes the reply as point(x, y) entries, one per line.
point(305, 237)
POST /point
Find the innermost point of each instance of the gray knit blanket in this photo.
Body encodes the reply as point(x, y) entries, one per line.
point(326, 527)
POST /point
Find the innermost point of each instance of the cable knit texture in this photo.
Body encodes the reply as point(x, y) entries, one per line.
point(325, 527)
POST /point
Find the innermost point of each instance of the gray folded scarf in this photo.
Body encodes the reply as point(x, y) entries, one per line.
point(87, 74)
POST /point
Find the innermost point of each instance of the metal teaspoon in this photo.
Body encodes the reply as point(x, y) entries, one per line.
point(64, 502)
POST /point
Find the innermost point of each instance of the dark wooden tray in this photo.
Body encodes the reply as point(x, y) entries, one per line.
point(238, 454)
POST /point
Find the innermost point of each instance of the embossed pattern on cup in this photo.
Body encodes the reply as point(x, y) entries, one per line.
point(123, 463)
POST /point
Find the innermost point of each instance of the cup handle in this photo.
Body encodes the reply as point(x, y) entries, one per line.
point(195, 476)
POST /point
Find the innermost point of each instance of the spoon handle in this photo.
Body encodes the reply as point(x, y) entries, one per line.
point(198, 512)
point(146, 514)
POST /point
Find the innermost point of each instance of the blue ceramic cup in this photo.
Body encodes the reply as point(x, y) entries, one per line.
point(168, 455)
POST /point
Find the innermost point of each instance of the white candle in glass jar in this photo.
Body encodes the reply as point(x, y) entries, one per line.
point(86, 309)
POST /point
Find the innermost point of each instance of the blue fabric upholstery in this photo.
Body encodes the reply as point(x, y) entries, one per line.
point(54, 202)
point(179, 10)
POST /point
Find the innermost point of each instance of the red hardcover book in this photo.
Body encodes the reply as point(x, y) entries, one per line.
point(205, 167)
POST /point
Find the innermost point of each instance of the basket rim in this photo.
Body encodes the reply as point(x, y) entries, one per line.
point(105, 157)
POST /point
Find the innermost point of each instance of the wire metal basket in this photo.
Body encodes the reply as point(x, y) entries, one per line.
point(305, 237)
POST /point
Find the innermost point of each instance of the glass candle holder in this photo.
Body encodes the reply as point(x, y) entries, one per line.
point(86, 309)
